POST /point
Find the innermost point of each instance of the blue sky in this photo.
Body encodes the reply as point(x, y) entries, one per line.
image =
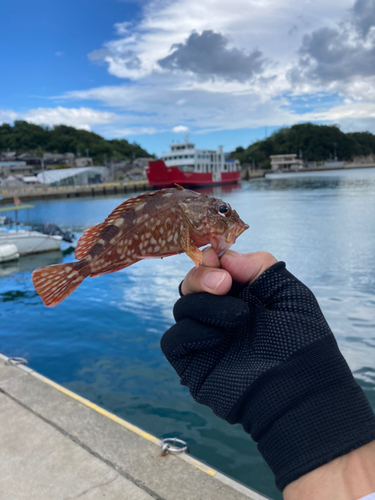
point(227, 72)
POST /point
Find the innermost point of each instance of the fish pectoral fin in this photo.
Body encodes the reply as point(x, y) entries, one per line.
point(192, 251)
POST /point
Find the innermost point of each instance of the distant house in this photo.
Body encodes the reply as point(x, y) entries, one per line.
point(30, 159)
point(141, 162)
point(135, 174)
point(83, 162)
point(285, 162)
point(57, 158)
point(8, 155)
point(15, 168)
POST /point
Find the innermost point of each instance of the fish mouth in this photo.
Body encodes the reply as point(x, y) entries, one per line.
point(224, 242)
point(236, 232)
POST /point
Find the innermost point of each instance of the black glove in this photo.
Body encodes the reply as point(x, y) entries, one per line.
point(265, 357)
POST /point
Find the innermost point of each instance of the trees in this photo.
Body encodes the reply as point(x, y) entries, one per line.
point(24, 136)
point(316, 143)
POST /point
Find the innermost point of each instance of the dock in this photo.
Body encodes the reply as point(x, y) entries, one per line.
point(41, 192)
point(56, 445)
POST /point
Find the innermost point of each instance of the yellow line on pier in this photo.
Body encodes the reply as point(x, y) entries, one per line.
point(133, 428)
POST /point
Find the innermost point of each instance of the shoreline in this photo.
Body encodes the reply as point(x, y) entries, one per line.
point(110, 188)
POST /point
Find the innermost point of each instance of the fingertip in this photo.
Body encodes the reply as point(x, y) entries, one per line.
point(210, 258)
point(246, 268)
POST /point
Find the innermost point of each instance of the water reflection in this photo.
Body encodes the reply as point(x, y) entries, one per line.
point(103, 341)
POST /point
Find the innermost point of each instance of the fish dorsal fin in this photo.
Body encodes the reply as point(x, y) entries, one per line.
point(88, 240)
point(128, 204)
point(92, 234)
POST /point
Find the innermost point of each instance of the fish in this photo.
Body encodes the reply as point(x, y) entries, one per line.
point(155, 224)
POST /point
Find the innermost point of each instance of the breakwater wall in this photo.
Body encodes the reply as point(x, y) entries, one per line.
point(53, 192)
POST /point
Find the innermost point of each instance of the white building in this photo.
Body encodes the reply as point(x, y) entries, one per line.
point(73, 176)
point(285, 162)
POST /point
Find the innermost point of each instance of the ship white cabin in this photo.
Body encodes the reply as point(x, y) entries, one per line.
point(188, 159)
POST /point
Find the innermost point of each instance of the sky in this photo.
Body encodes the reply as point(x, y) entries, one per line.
point(225, 72)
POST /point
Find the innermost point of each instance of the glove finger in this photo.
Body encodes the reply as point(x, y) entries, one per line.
point(218, 310)
point(187, 341)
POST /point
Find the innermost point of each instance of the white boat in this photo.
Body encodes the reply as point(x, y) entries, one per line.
point(28, 241)
point(8, 252)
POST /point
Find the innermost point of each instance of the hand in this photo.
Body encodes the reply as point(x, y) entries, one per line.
point(258, 351)
point(215, 276)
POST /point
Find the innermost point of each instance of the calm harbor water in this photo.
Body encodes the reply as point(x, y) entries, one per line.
point(103, 341)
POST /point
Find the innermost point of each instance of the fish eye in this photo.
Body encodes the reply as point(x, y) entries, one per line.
point(222, 209)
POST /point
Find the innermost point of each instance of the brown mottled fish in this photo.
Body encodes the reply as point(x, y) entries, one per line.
point(155, 224)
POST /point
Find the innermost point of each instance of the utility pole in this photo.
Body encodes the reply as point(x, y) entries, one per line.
point(44, 173)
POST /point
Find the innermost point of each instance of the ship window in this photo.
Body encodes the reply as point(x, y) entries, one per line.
point(186, 168)
point(225, 167)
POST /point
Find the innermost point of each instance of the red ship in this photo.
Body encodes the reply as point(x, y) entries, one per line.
point(192, 167)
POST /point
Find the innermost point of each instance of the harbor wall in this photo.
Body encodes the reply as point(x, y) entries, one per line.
point(56, 445)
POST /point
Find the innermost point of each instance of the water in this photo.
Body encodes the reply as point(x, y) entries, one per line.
point(103, 341)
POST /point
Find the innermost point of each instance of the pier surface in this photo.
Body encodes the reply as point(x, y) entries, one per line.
point(56, 445)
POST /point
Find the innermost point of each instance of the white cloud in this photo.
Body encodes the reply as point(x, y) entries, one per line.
point(270, 40)
point(180, 129)
point(82, 118)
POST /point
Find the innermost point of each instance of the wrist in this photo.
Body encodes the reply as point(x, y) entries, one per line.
point(349, 477)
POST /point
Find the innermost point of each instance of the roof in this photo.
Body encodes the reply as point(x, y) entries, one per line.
point(51, 176)
point(30, 178)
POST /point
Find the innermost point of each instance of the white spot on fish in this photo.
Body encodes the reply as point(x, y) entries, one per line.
point(169, 239)
point(139, 207)
point(153, 241)
point(73, 273)
point(157, 249)
point(119, 222)
point(101, 242)
point(67, 269)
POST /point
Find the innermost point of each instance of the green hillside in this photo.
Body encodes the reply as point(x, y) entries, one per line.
point(23, 137)
point(316, 142)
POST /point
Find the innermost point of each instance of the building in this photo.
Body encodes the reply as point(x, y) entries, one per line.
point(286, 162)
point(15, 168)
point(83, 162)
point(73, 176)
point(57, 159)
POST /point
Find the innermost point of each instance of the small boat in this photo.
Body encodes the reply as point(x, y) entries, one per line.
point(27, 241)
point(8, 252)
point(192, 167)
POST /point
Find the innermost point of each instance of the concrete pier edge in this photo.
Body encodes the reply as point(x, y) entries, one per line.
point(241, 490)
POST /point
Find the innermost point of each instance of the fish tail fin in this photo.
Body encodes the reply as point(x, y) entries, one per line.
point(55, 283)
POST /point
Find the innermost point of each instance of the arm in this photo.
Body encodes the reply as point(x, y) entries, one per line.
point(349, 474)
